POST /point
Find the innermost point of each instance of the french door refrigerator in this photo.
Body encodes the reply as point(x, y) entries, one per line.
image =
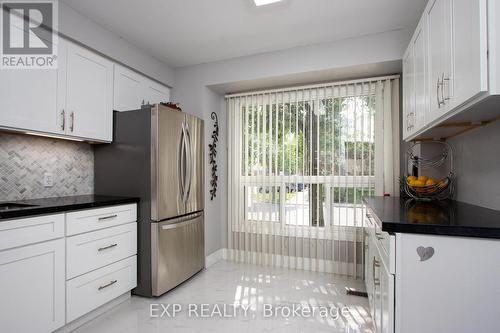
point(157, 155)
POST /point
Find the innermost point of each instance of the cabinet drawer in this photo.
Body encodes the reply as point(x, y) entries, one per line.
point(385, 242)
point(87, 292)
point(94, 219)
point(96, 249)
point(21, 232)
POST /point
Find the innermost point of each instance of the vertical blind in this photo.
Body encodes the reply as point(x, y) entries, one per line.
point(300, 162)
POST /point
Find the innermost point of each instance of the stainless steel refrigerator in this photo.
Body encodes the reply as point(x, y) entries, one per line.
point(157, 155)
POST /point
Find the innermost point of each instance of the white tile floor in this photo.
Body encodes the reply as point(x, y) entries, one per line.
point(242, 285)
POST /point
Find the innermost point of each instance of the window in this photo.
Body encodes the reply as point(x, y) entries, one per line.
point(307, 155)
point(300, 162)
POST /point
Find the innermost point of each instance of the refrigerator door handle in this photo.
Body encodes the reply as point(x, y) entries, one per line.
point(189, 159)
point(182, 167)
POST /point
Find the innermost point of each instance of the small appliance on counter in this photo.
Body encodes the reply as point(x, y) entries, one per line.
point(157, 155)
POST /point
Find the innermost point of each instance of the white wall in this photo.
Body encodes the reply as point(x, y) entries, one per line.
point(195, 89)
point(478, 166)
point(89, 33)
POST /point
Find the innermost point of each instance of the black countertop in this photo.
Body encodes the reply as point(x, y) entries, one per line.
point(448, 218)
point(62, 204)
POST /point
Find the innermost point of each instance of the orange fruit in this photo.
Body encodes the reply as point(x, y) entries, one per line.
point(430, 182)
point(409, 179)
point(418, 183)
point(423, 178)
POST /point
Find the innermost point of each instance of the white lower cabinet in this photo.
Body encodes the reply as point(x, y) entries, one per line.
point(32, 288)
point(89, 291)
point(432, 284)
point(386, 319)
point(48, 279)
point(379, 275)
point(381, 291)
point(454, 288)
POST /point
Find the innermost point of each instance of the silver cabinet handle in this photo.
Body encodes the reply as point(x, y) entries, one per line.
point(72, 124)
point(63, 120)
point(107, 285)
point(438, 86)
point(106, 247)
point(376, 263)
point(107, 217)
point(443, 79)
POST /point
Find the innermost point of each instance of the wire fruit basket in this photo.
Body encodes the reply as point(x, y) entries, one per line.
point(421, 188)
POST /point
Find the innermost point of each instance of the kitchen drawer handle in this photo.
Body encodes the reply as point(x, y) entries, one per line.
point(107, 217)
point(376, 263)
point(107, 285)
point(106, 247)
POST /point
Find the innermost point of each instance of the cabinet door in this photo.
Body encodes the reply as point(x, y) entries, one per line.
point(440, 57)
point(470, 50)
point(377, 293)
point(156, 93)
point(386, 300)
point(453, 288)
point(32, 285)
point(408, 92)
point(128, 89)
point(419, 45)
point(89, 94)
point(28, 100)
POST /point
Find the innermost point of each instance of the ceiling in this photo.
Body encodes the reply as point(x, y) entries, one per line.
point(188, 32)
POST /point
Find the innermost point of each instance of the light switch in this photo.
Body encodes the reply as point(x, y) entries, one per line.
point(48, 179)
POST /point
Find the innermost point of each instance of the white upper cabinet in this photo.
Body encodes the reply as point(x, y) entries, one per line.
point(89, 94)
point(132, 90)
point(408, 92)
point(128, 87)
point(28, 100)
point(156, 93)
point(450, 69)
point(470, 43)
point(415, 86)
point(76, 99)
point(420, 66)
point(438, 14)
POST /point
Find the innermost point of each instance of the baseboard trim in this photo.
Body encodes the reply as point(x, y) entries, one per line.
point(70, 327)
point(215, 257)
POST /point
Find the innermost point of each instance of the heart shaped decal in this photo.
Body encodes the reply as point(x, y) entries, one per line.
point(425, 253)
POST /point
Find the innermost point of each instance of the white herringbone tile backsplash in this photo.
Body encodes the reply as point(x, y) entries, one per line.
point(25, 159)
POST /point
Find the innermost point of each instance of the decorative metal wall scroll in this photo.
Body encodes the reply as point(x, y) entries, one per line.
point(213, 156)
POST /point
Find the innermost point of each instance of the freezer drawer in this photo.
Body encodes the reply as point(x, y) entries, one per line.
point(177, 251)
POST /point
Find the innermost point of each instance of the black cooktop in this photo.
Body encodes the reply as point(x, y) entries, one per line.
point(449, 217)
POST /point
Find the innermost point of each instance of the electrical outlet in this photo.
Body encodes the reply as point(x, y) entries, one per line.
point(48, 179)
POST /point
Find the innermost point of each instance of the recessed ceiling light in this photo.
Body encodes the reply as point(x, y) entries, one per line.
point(265, 2)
